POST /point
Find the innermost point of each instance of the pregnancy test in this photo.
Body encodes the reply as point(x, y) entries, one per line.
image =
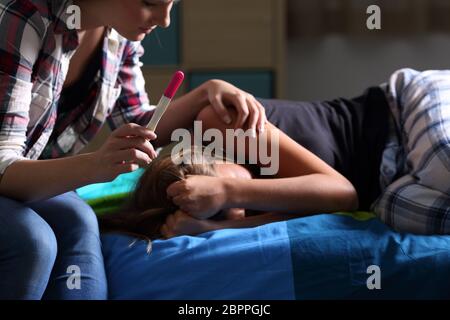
point(165, 100)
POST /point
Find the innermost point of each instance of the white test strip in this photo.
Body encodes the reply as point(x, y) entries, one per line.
point(163, 104)
point(166, 98)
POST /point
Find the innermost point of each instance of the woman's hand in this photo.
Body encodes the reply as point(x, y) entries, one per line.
point(181, 223)
point(200, 196)
point(126, 149)
point(250, 112)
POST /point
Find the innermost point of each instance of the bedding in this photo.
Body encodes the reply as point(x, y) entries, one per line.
point(327, 256)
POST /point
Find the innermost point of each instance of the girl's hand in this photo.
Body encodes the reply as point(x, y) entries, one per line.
point(250, 111)
point(126, 149)
point(232, 214)
point(181, 223)
point(200, 196)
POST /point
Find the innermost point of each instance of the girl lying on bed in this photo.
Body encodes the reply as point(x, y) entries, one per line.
point(387, 150)
point(206, 194)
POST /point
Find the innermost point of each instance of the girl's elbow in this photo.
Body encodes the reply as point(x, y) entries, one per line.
point(346, 197)
point(350, 198)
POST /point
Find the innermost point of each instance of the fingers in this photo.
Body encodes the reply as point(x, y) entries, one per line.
point(220, 109)
point(136, 143)
point(243, 111)
point(133, 156)
point(183, 203)
point(125, 150)
point(249, 111)
point(132, 129)
point(171, 227)
point(125, 168)
point(176, 189)
point(253, 117)
point(178, 192)
point(257, 116)
point(262, 117)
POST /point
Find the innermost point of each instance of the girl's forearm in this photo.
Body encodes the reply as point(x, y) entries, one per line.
point(302, 195)
point(247, 222)
point(181, 114)
point(33, 180)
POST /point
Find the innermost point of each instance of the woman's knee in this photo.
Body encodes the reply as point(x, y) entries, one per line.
point(67, 214)
point(82, 218)
point(25, 234)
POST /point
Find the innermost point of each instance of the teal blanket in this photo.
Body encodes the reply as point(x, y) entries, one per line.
point(108, 197)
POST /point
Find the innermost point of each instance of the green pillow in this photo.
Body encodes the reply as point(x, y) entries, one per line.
point(108, 197)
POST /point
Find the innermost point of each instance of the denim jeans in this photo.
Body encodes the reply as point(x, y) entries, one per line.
point(50, 249)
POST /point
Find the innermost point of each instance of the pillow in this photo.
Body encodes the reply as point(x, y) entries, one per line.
point(109, 196)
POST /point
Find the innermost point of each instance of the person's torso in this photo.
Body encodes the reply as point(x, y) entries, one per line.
point(348, 134)
point(91, 42)
point(80, 124)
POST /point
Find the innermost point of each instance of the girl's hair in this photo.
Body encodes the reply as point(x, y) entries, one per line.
point(148, 206)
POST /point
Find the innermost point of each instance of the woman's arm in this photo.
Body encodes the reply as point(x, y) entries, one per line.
point(218, 95)
point(304, 195)
point(181, 114)
point(304, 184)
point(181, 223)
point(247, 222)
point(32, 180)
point(132, 104)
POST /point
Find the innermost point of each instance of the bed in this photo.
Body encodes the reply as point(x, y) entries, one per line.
point(327, 256)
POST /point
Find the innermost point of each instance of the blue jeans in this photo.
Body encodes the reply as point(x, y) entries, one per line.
point(50, 249)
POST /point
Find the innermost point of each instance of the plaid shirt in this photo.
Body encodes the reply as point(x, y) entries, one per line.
point(36, 46)
point(415, 170)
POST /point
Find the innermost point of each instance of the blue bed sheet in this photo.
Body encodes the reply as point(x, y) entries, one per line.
point(318, 257)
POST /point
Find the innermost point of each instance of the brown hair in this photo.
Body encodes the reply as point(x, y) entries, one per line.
point(148, 206)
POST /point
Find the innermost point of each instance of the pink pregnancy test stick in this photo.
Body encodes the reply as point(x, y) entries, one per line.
point(165, 100)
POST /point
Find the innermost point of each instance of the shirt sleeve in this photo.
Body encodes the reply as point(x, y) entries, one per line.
point(132, 106)
point(408, 206)
point(20, 42)
point(419, 201)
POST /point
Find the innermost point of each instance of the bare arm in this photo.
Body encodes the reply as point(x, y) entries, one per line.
point(181, 114)
point(28, 180)
point(303, 184)
point(181, 223)
point(32, 180)
point(247, 222)
point(304, 195)
point(218, 95)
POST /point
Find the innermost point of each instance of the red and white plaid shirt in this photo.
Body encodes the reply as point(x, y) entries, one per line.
point(36, 46)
